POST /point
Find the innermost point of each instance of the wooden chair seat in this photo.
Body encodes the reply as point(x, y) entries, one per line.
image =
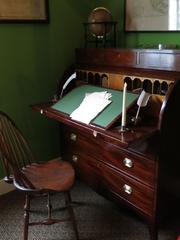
point(53, 175)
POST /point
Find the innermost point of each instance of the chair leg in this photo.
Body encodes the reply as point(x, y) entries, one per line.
point(26, 216)
point(71, 213)
point(49, 207)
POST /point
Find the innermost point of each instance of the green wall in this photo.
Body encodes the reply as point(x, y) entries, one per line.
point(33, 58)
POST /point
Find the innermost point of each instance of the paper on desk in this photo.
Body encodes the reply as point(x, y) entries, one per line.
point(91, 106)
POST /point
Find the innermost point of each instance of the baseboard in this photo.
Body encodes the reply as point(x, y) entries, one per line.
point(5, 187)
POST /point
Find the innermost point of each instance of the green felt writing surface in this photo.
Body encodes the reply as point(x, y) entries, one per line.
point(73, 99)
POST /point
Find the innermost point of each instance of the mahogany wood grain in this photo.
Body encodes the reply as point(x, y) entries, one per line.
point(164, 64)
point(112, 155)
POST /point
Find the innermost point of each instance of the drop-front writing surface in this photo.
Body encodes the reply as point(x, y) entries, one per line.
point(129, 167)
point(104, 119)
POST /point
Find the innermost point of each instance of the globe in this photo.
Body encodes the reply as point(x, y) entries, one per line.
point(100, 21)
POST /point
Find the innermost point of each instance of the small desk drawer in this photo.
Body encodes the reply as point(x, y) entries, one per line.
point(82, 142)
point(89, 140)
point(132, 191)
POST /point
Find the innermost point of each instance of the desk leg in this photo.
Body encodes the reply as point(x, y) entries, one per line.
point(153, 230)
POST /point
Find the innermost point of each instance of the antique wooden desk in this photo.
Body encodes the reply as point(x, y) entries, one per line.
point(138, 168)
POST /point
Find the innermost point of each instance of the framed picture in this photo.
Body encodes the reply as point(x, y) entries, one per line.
point(24, 11)
point(152, 15)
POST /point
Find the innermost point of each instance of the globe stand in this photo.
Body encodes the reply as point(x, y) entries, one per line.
point(105, 39)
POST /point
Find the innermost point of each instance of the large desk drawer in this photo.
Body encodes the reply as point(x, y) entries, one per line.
point(135, 193)
point(101, 177)
point(87, 169)
point(135, 166)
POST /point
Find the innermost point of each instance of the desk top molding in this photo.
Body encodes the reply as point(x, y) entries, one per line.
point(117, 59)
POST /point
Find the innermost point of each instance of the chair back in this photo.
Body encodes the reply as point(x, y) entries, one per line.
point(15, 152)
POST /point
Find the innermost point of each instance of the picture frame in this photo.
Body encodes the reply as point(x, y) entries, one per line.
point(24, 11)
point(152, 15)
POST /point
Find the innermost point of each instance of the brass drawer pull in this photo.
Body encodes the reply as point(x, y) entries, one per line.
point(73, 137)
point(128, 162)
point(74, 158)
point(127, 189)
point(95, 133)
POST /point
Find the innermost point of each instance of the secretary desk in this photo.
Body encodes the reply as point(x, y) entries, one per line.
point(137, 168)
